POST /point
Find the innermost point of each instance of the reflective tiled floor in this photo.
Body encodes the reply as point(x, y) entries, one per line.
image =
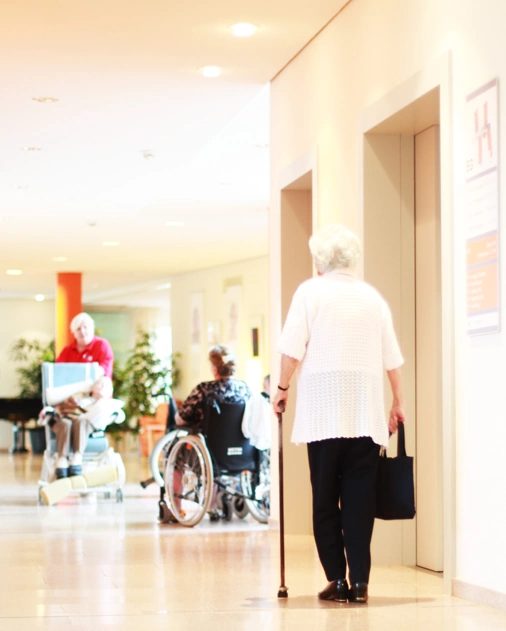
point(94, 564)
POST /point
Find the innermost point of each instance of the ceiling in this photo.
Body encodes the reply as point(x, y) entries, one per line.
point(137, 138)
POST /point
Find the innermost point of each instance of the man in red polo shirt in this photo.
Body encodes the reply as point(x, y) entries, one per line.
point(87, 347)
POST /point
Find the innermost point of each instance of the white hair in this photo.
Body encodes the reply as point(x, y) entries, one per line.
point(334, 247)
point(79, 319)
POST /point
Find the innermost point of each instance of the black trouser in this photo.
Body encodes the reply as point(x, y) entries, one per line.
point(343, 478)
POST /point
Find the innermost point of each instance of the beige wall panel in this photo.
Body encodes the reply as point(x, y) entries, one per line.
point(428, 352)
point(296, 266)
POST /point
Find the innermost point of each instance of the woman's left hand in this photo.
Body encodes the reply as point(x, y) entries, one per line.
point(396, 416)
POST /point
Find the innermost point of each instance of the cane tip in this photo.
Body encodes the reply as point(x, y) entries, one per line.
point(283, 592)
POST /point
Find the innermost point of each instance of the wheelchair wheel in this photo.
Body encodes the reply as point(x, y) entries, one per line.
point(158, 457)
point(189, 479)
point(257, 489)
point(240, 507)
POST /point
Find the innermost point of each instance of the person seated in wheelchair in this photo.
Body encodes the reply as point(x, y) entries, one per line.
point(186, 474)
point(224, 386)
point(75, 419)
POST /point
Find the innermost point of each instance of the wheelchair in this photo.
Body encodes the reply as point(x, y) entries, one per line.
point(214, 470)
point(60, 381)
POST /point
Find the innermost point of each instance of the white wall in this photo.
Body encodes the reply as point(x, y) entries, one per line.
point(367, 51)
point(21, 318)
point(253, 276)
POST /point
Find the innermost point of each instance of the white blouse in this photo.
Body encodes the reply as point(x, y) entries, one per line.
point(341, 331)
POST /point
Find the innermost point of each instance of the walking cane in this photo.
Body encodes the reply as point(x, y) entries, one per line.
point(283, 590)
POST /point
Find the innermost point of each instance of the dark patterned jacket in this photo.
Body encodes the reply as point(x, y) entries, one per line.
point(230, 389)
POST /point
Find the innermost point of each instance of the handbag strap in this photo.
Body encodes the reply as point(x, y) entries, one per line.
point(401, 440)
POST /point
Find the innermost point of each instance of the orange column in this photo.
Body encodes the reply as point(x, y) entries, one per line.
point(68, 304)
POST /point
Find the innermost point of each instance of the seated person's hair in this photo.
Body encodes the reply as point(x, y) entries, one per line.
point(223, 359)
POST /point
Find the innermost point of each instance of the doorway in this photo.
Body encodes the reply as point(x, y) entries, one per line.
point(297, 210)
point(402, 247)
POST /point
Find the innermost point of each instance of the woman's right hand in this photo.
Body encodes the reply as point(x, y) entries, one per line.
point(280, 400)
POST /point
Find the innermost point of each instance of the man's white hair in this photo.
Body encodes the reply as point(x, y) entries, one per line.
point(334, 247)
point(79, 319)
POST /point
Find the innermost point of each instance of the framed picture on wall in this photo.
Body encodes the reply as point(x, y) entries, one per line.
point(214, 332)
point(196, 300)
point(234, 308)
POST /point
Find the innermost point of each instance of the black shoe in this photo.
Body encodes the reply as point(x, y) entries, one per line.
point(335, 590)
point(358, 593)
point(214, 515)
point(75, 469)
point(62, 473)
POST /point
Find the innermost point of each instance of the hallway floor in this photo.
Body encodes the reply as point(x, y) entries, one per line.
point(90, 563)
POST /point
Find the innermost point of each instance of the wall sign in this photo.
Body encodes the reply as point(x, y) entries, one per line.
point(482, 201)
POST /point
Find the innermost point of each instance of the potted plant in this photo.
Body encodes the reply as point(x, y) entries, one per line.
point(33, 354)
point(144, 381)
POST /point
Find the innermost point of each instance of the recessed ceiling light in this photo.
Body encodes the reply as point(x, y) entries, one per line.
point(30, 149)
point(211, 71)
point(110, 243)
point(39, 297)
point(164, 286)
point(243, 29)
point(22, 187)
point(44, 99)
point(14, 272)
point(174, 223)
point(60, 258)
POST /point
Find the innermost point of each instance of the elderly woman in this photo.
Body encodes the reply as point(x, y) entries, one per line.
point(224, 385)
point(339, 335)
point(87, 347)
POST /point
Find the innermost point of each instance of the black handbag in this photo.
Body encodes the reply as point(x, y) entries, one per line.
point(395, 489)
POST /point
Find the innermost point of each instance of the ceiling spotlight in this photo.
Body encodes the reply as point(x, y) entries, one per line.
point(211, 71)
point(60, 258)
point(174, 223)
point(39, 297)
point(30, 149)
point(110, 244)
point(164, 286)
point(14, 272)
point(243, 29)
point(44, 99)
